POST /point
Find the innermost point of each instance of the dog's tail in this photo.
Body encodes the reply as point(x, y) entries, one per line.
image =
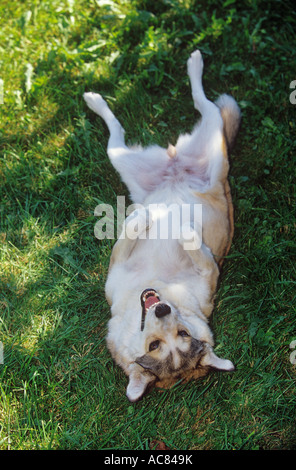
point(231, 116)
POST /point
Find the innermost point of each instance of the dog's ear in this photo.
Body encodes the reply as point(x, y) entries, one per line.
point(138, 382)
point(211, 360)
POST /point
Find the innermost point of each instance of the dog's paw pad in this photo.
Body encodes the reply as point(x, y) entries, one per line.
point(195, 64)
point(137, 223)
point(94, 101)
point(189, 237)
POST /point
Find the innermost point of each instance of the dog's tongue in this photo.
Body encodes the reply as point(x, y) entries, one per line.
point(149, 297)
point(153, 299)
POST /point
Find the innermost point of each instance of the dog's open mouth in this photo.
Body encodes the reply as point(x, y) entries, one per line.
point(149, 297)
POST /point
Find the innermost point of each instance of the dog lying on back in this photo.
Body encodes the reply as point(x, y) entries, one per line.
point(161, 288)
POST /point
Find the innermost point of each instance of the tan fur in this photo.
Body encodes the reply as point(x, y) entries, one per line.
point(186, 377)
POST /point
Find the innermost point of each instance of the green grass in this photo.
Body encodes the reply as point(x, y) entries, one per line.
point(59, 388)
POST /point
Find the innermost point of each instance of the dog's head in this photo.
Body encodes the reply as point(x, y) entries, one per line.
point(175, 347)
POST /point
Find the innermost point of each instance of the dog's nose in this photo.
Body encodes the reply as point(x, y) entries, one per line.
point(161, 310)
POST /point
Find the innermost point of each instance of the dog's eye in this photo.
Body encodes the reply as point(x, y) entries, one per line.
point(183, 333)
point(154, 345)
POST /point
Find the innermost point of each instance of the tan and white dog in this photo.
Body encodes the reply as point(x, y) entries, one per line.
point(161, 289)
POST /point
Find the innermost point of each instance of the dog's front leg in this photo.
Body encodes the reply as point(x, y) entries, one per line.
point(200, 254)
point(135, 227)
point(203, 263)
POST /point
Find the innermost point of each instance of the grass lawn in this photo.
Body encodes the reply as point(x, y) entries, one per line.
point(59, 388)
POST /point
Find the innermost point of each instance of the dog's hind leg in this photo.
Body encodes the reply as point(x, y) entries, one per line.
point(140, 169)
point(206, 143)
point(96, 103)
point(195, 71)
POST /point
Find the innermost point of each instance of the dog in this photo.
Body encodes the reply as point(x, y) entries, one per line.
point(161, 289)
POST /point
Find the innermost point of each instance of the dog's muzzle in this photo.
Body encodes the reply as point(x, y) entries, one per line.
point(150, 297)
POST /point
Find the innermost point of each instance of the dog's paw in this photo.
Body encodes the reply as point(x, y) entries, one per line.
point(95, 102)
point(189, 238)
point(138, 223)
point(195, 65)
